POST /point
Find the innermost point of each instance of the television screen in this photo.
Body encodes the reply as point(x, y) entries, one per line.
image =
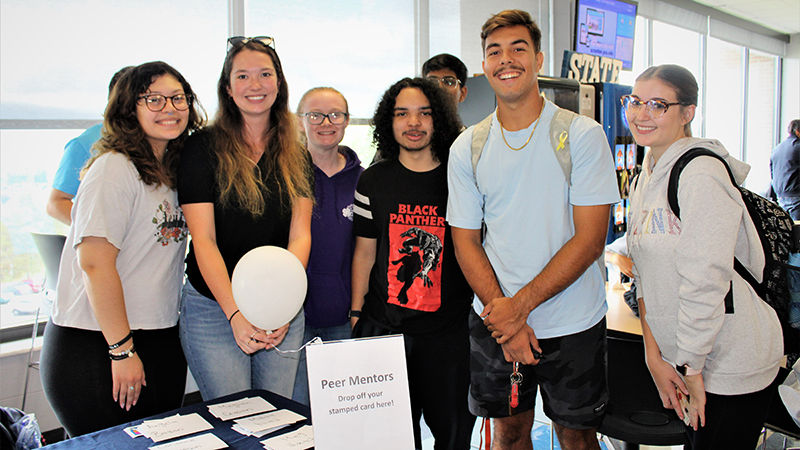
point(606, 28)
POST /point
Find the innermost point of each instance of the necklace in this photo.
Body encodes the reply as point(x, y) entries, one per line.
point(502, 131)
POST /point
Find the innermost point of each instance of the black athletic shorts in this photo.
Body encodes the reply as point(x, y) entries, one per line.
point(572, 376)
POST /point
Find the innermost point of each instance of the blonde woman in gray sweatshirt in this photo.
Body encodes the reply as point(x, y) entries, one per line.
point(722, 354)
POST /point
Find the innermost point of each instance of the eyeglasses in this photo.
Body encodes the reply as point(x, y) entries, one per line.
point(236, 41)
point(316, 118)
point(655, 107)
point(157, 102)
point(445, 82)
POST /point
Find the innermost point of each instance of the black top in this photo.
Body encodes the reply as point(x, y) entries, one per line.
point(416, 285)
point(237, 231)
point(785, 168)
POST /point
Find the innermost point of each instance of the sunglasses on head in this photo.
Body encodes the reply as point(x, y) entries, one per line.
point(237, 41)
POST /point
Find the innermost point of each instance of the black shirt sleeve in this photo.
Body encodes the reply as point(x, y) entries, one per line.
point(196, 173)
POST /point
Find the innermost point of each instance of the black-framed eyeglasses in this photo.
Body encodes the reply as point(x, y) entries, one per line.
point(316, 118)
point(157, 102)
point(445, 82)
point(656, 107)
point(236, 41)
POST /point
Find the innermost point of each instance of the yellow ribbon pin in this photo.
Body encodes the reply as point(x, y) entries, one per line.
point(562, 141)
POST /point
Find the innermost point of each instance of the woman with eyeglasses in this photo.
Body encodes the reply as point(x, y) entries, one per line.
point(111, 351)
point(323, 116)
point(707, 334)
point(244, 182)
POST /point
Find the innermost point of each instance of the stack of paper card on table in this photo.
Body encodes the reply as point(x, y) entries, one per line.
point(299, 439)
point(266, 423)
point(169, 427)
point(239, 408)
point(205, 441)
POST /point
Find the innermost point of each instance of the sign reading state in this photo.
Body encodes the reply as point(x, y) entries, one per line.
point(590, 68)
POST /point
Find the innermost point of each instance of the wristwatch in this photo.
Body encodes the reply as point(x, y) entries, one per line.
point(353, 313)
point(685, 370)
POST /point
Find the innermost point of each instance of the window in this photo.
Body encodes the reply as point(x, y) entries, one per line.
point(46, 89)
point(359, 48)
point(674, 45)
point(725, 94)
point(761, 106)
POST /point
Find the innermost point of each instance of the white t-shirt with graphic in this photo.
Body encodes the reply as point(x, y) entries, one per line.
point(147, 226)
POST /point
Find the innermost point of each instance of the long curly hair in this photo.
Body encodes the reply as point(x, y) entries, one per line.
point(446, 123)
point(123, 134)
point(284, 156)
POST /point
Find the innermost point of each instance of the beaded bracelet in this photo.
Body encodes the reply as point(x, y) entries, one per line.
point(124, 340)
point(124, 355)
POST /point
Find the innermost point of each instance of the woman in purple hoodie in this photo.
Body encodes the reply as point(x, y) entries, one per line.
point(324, 116)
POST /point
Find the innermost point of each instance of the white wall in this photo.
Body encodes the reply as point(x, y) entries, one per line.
point(13, 365)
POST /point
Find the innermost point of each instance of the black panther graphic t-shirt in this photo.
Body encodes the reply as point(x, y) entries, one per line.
point(416, 285)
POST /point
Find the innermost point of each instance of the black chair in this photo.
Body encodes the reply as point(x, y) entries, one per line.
point(50, 247)
point(635, 414)
point(779, 420)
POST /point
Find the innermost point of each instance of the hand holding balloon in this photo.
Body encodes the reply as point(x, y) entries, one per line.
point(249, 338)
point(269, 286)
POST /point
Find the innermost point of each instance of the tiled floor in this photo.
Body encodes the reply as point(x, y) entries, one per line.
point(542, 429)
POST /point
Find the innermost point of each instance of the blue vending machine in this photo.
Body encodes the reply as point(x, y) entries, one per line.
point(627, 156)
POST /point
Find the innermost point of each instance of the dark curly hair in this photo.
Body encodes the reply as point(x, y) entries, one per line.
point(446, 123)
point(123, 134)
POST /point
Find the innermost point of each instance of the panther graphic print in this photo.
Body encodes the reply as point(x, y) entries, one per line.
point(415, 266)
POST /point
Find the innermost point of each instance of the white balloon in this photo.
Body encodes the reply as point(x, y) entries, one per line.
point(269, 286)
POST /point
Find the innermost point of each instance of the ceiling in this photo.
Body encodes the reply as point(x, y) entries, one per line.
point(780, 15)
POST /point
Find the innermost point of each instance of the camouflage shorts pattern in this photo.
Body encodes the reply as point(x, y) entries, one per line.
point(572, 376)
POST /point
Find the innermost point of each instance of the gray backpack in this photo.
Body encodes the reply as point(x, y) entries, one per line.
point(559, 139)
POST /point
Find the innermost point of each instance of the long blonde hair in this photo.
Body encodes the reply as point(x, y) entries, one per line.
point(283, 156)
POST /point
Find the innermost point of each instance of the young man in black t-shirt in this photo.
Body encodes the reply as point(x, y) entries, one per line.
point(405, 275)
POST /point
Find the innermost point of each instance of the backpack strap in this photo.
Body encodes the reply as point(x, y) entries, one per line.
point(680, 164)
point(559, 139)
point(480, 134)
point(672, 199)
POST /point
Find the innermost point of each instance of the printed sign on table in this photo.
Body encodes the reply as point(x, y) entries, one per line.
point(359, 394)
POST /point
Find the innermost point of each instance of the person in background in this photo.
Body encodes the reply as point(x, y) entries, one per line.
point(76, 153)
point(451, 74)
point(540, 298)
point(616, 253)
point(784, 167)
point(405, 275)
point(707, 335)
point(324, 116)
point(111, 352)
point(244, 182)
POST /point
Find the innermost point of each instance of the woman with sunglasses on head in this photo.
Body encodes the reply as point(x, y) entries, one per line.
point(244, 182)
point(323, 116)
point(707, 334)
point(111, 352)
